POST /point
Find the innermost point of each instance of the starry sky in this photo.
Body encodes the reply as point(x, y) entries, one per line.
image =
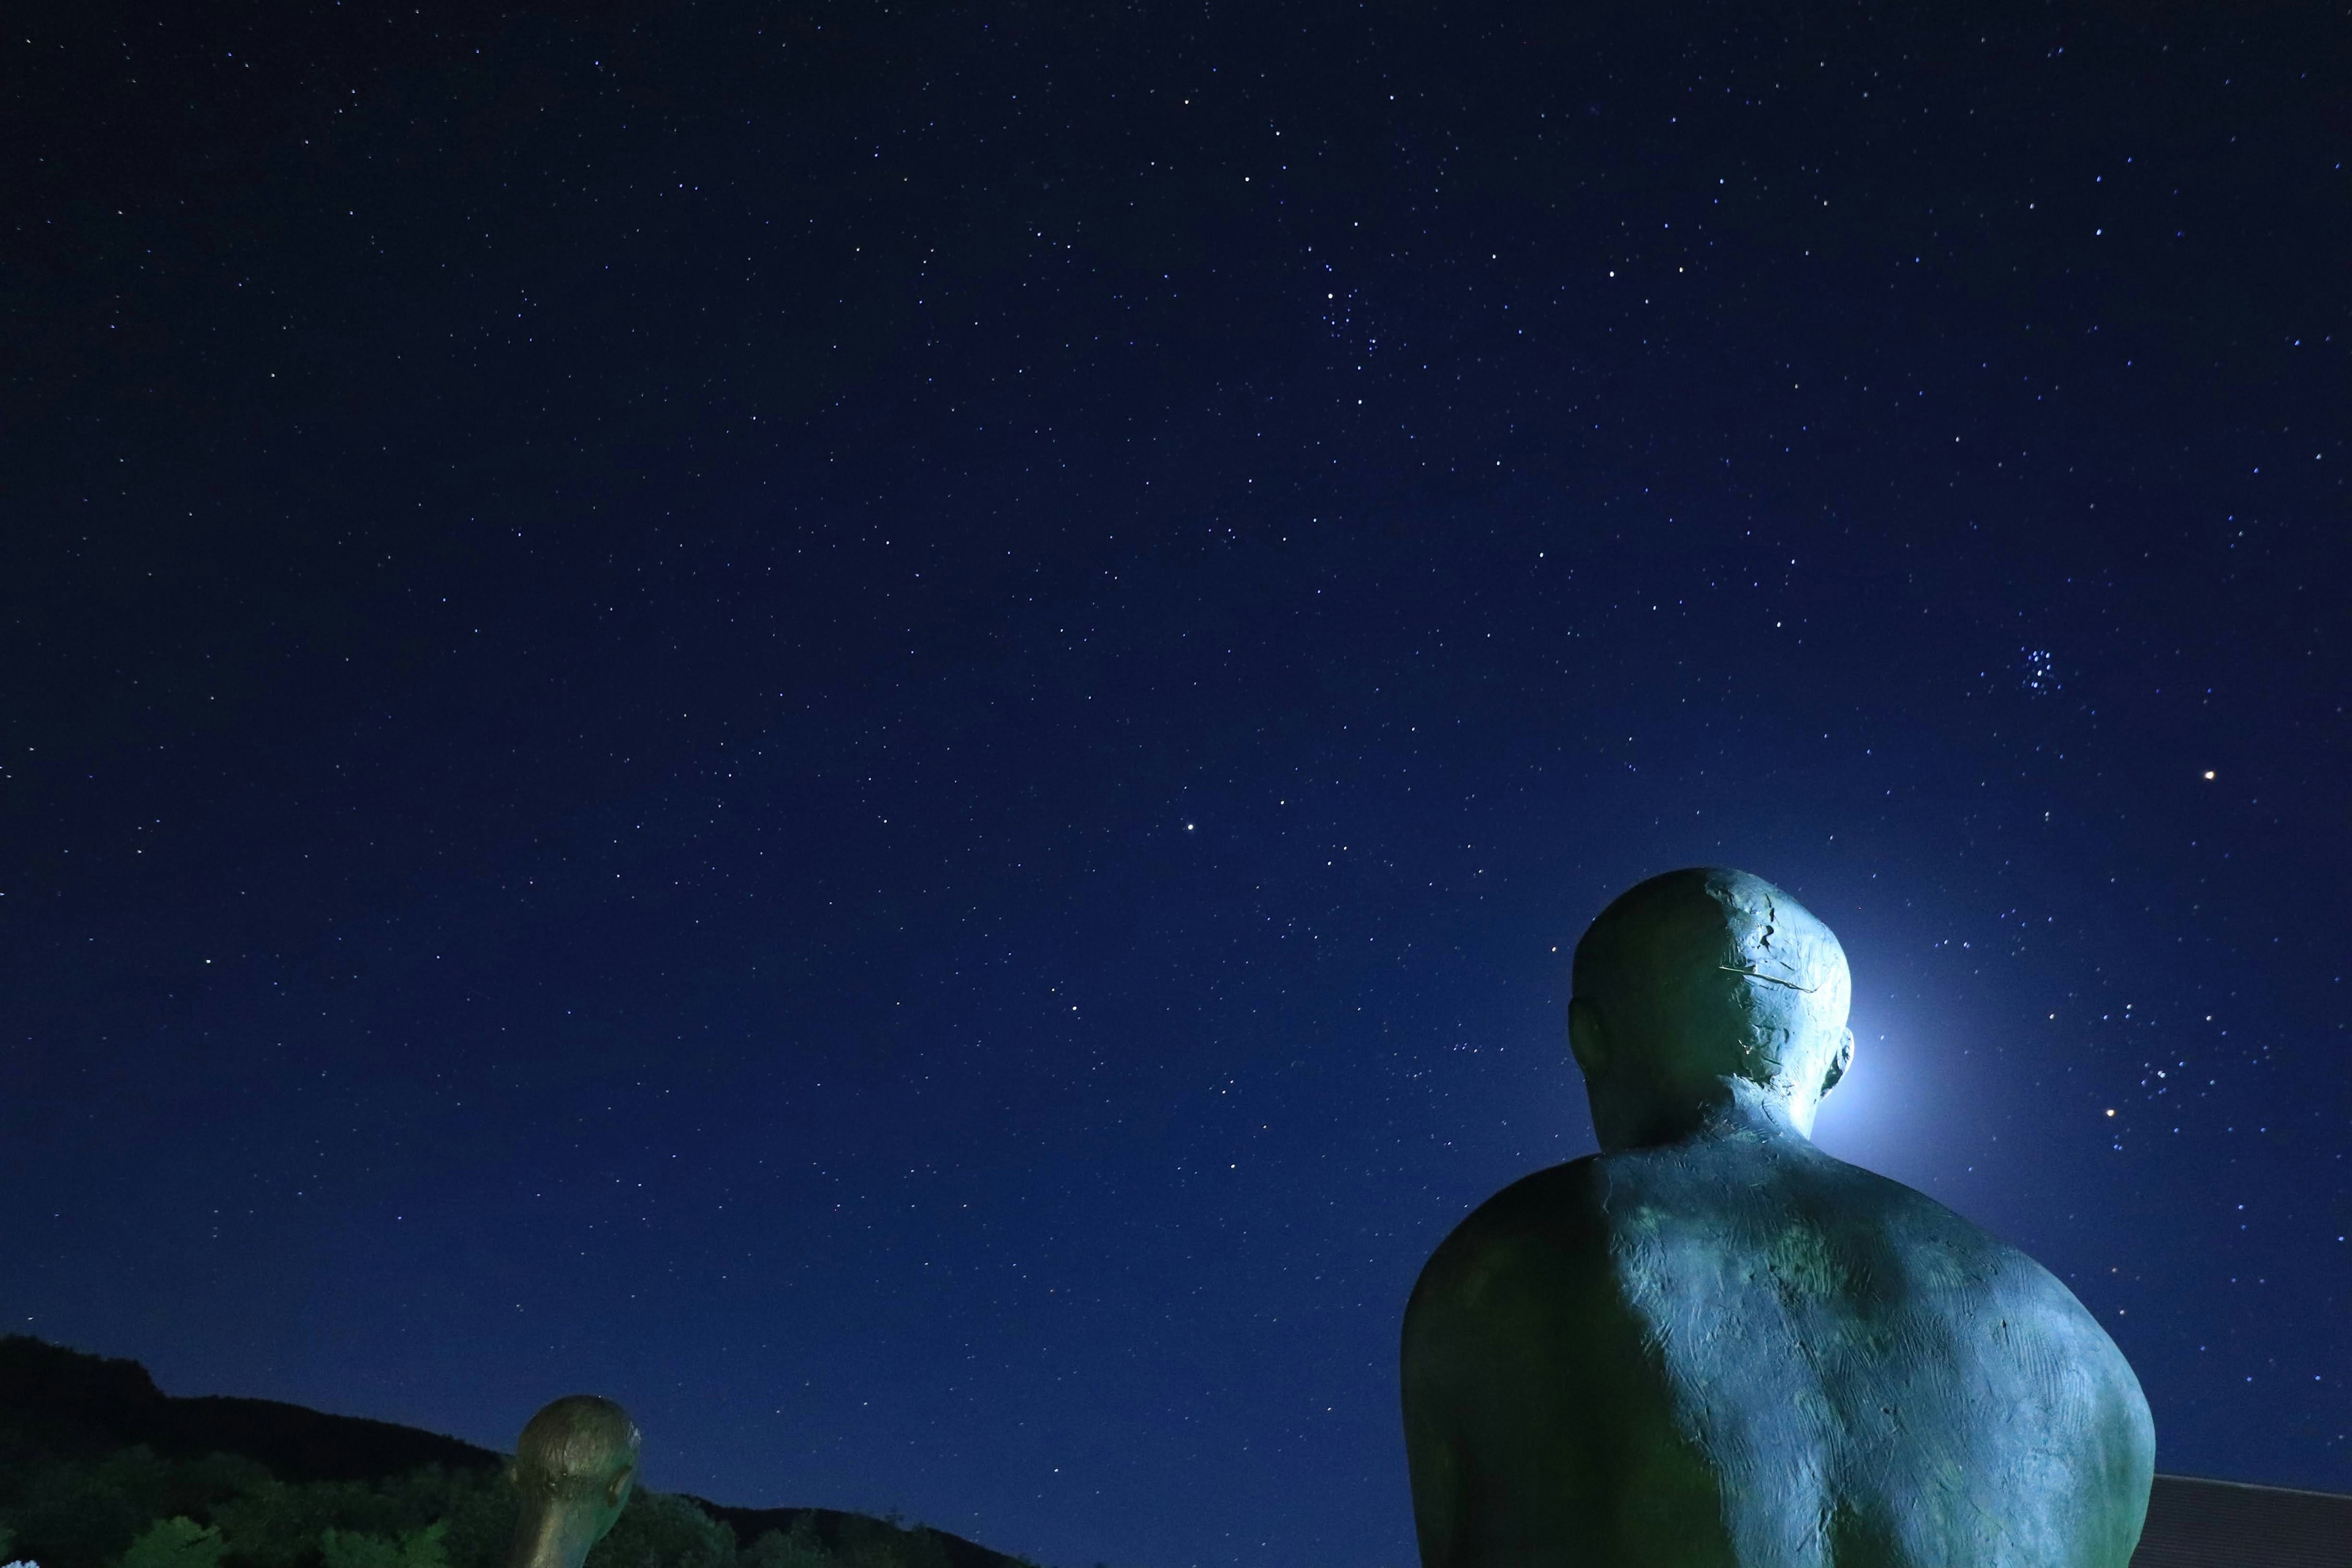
point(882, 727)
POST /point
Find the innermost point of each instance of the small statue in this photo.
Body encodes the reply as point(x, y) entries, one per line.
point(574, 1466)
point(1711, 1345)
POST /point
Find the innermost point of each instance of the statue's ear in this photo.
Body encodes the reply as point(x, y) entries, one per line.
point(1838, 1064)
point(1586, 1037)
point(619, 1491)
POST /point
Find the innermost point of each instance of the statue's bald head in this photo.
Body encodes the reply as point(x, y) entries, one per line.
point(575, 1465)
point(579, 1447)
point(1695, 983)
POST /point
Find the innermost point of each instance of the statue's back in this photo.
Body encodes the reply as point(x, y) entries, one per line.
point(1738, 1351)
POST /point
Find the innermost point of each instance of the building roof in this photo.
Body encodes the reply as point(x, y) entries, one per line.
point(2198, 1523)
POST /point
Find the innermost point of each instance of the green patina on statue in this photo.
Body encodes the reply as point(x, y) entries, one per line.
point(1713, 1344)
point(574, 1466)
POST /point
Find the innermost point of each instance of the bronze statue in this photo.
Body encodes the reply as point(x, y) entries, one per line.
point(574, 1466)
point(1711, 1345)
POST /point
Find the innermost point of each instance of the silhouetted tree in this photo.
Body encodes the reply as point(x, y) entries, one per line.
point(798, 1548)
point(175, 1542)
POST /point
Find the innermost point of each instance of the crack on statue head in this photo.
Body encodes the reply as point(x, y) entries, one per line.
point(1769, 979)
point(1703, 994)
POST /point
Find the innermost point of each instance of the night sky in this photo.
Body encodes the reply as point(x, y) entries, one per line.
point(883, 727)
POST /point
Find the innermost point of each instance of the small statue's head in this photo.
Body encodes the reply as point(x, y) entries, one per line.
point(575, 1464)
point(1703, 987)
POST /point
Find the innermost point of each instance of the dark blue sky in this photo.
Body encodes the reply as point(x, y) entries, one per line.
point(884, 728)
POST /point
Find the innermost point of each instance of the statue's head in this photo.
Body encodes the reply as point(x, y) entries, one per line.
point(574, 1465)
point(1702, 989)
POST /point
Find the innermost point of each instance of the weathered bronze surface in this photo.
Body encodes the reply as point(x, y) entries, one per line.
point(1713, 1344)
point(574, 1466)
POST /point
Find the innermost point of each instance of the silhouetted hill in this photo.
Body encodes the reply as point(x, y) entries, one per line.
point(57, 1404)
point(74, 1405)
point(751, 1523)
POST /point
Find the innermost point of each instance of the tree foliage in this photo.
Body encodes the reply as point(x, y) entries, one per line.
point(357, 1548)
point(175, 1542)
point(134, 1509)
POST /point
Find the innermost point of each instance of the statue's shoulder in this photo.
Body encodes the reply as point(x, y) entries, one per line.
point(1957, 1243)
point(2036, 1351)
point(1987, 1293)
point(1544, 1232)
point(1561, 1205)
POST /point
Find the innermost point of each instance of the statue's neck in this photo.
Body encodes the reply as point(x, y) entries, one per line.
point(552, 1533)
point(1730, 1107)
point(1751, 1108)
